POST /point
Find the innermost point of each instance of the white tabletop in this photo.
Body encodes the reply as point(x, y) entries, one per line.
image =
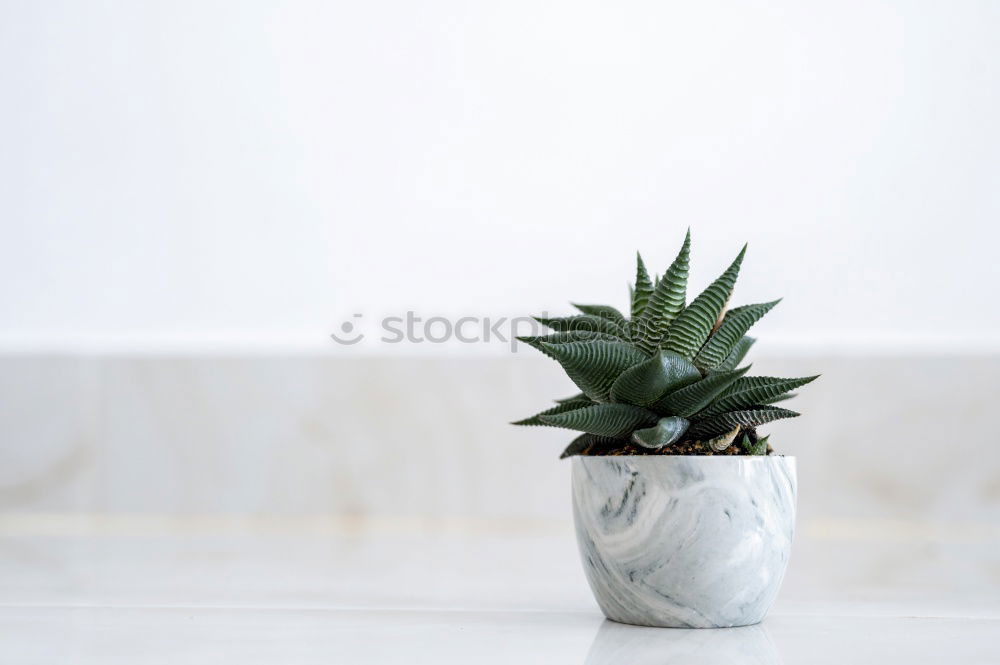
point(199, 590)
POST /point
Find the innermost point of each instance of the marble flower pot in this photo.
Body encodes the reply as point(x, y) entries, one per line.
point(684, 541)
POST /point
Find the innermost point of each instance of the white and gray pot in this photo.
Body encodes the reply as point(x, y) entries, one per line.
point(684, 541)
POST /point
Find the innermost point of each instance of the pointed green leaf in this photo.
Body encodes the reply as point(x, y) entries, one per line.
point(724, 422)
point(572, 398)
point(737, 355)
point(560, 408)
point(589, 443)
point(780, 398)
point(666, 302)
point(593, 366)
point(606, 311)
point(584, 323)
point(692, 326)
point(536, 342)
point(665, 432)
point(745, 443)
point(691, 399)
point(749, 391)
point(751, 448)
point(614, 420)
point(643, 288)
point(734, 325)
point(648, 381)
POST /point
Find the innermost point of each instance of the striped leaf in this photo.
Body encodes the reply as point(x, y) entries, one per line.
point(615, 420)
point(606, 311)
point(724, 422)
point(734, 325)
point(749, 391)
point(572, 398)
point(536, 341)
point(665, 432)
point(584, 323)
point(559, 408)
point(648, 381)
point(586, 444)
point(643, 288)
point(691, 399)
point(666, 302)
point(737, 355)
point(593, 366)
point(780, 398)
point(691, 328)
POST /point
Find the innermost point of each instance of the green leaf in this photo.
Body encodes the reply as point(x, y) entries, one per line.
point(737, 355)
point(613, 420)
point(745, 442)
point(691, 399)
point(735, 324)
point(587, 443)
point(643, 288)
point(606, 311)
point(572, 398)
point(666, 302)
point(560, 408)
point(665, 432)
point(752, 390)
point(751, 448)
point(746, 418)
point(584, 323)
point(537, 341)
point(593, 366)
point(780, 398)
point(692, 326)
point(648, 381)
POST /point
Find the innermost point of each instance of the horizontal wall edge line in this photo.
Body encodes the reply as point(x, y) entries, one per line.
point(859, 344)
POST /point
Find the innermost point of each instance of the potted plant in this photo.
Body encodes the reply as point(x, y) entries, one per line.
point(684, 516)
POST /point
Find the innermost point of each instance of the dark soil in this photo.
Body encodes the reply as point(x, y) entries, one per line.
point(683, 448)
point(611, 448)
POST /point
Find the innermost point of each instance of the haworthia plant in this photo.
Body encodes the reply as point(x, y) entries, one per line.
point(668, 374)
point(665, 432)
point(735, 323)
point(647, 382)
point(691, 328)
point(594, 365)
point(603, 419)
point(643, 289)
point(665, 303)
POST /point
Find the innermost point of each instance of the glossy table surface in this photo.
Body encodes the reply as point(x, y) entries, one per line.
point(78, 589)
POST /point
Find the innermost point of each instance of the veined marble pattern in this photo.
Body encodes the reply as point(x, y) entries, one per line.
point(696, 542)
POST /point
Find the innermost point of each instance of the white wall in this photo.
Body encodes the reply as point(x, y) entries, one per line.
point(225, 169)
point(228, 181)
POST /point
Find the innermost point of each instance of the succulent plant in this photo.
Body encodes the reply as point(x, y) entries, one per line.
point(666, 378)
